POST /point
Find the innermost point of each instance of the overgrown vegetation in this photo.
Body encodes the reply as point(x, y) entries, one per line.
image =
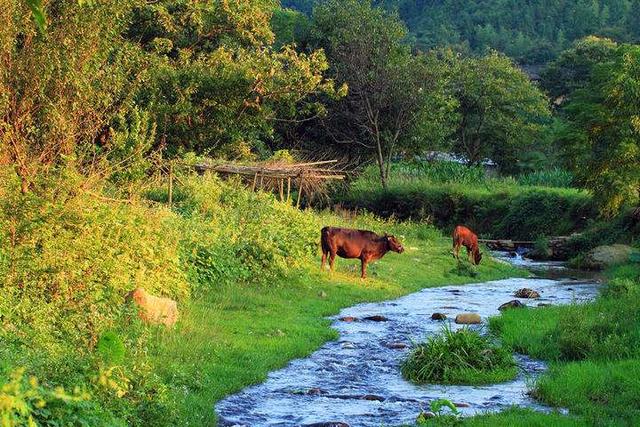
point(97, 96)
point(459, 357)
point(449, 194)
point(242, 256)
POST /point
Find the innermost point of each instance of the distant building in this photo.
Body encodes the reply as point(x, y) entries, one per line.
point(489, 165)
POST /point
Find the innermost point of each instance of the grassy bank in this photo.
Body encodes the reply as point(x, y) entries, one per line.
point(593, 350)
point(243, 268)
point(450, 194)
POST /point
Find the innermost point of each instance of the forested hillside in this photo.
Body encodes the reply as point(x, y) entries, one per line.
point(529, 31)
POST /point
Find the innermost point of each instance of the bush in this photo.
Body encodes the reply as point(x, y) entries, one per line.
point(25, 402)
point(461, 357)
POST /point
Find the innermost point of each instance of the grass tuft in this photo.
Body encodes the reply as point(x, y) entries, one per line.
point(459, 357)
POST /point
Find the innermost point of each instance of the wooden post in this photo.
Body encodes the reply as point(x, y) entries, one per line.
point(170, 183)
point(288, 189)
point(255, 181)
point(282, 189)
point(262, 181)
point(300, 190)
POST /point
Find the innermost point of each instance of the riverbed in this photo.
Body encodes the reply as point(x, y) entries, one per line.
point(356, 380)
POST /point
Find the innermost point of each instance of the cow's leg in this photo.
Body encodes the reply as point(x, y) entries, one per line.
point(456, 251)
point(324, 260)
point(332, 260)
point(363, 268)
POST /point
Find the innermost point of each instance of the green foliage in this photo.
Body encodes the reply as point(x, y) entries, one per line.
point(445, 412)
point(110, 348)
point(394, 99)
point(601, 140)
point(25, 402)
point(460, 357)
point(451, 194)
point(60, 89)
point(555, 178)
point(499, 111)
point(216, 84)
point(530, 32)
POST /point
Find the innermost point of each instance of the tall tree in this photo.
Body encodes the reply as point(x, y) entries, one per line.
point(602, 138)
point(218, 85)
point(388, 87)
point(499, 111)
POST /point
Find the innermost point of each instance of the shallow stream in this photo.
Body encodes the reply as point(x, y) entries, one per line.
point(356, 380)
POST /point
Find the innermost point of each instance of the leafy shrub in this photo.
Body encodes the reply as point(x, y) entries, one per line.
point(25, 402)
point(110, 348)
point(461, 357)
point(233, 236)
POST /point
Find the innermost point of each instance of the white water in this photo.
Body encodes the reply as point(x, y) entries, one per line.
point(356, 380)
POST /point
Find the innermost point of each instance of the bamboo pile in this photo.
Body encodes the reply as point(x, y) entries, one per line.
point(282, 177)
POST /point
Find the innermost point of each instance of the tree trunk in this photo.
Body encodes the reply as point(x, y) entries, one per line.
point(380, 160)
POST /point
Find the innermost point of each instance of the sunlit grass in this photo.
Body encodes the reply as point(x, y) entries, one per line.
point(232, 336)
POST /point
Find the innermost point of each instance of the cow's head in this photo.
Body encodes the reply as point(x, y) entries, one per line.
point(394, 243)
point(477, 257)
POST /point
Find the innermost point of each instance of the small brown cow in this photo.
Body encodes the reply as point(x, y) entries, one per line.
point(365, 245)
point(462, 236)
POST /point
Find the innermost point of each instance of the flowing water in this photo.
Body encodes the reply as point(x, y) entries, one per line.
point(356, 380)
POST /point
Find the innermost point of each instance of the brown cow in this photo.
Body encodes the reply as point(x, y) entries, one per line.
point(365, 245)
point(462, 236)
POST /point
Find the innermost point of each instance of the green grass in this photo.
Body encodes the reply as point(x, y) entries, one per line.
point(508, 418)
point(594, 350)
point(232, 336)
point(604, 393)
point(459, 357)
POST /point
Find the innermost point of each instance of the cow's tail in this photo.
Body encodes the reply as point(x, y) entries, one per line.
point(324, 240)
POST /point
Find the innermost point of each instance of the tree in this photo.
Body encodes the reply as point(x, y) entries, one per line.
point(573, 67)
point(601, 140)
point(389, 88)
point(61, 81)
point(499, 111)
point(217, 85)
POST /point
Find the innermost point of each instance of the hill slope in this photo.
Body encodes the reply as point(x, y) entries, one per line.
point(529, 31)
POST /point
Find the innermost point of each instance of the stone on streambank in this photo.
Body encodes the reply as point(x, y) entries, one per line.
point(468, 319)
point(438, 316)
point(152, 309)
point(376, 318)
point(606, 256)
point(511, 304)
